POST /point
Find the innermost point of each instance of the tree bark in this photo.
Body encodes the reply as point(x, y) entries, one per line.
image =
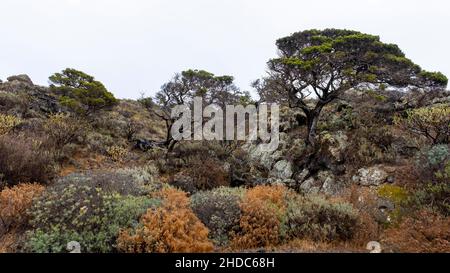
point(312, 125)
point(312, 120)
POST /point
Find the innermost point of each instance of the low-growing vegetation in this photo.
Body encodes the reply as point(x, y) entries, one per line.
point(363, 156)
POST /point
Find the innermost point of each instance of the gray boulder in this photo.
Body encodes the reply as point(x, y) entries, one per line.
point(372, 176)
point(25, 79)
point(282, 170)
point(311, 186)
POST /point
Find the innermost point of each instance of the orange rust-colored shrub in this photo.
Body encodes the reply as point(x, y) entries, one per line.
point(425, 232)
point(171, 228)
point(14, 202)
point(263, 209)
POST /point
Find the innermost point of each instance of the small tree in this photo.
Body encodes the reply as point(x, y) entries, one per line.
point(315, 67)
point(431, 122)
point(184, 87)
point(80, 91)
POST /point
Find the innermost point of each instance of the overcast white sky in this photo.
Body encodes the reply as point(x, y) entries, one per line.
point(136, 45)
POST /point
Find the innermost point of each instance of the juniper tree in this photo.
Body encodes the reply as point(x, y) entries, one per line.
point(315, 67)
point(80, 91)
point(184, 86)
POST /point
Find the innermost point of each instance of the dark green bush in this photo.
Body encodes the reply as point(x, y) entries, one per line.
point(433, 163)
point(319, 219)
point(219, 211)
point(80, 91)
point(433, 196)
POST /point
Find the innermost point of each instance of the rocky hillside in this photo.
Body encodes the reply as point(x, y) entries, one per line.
point(106, 180)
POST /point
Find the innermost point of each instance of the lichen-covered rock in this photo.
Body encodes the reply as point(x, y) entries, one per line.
point(311, 186)
point(301, 176)
point(34, 100)
point(25, 79)
point(329, 184)
point(338, 145)
point(373, 176)
point(282, 169)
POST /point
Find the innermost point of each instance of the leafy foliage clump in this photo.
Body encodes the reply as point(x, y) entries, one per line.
point(171, 228)
point(431, 122)
point(219, 210)
point(117, 153)
point(7, 123)
point(81, 92)
point(434, 197)
point(318, 219)
point(14, 203)
point(83, 214)
point(433, 164)
point(64, 129)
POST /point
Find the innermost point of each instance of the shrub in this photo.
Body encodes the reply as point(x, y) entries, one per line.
point(136, 182)
point(14, 102)
point(14, 202)
point(263, 209)
point(83, 214)
point(433, 163)
point(207, 174)
point(434, 197)
point(219, 210)
point(81, 92)
point(202, 163)
point(63, 129)
point(424, 232)
point(318, 219)
point(25, 158)
point(431, 122)
point(99, 142)
point(144, 177)
point(7, 123)
point(171, 228)
point(117, 153)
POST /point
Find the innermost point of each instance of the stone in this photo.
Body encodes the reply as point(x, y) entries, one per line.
point(145, 144)
point(339, 144)
point(372, 176)
point(301, 176)
point(21, 78)
point(390, 179)
point(260, 156)
point(328, 182)
point(282, 169)
point(311, 186)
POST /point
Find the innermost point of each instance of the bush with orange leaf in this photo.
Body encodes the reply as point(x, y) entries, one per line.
point(425, 232)
point(173, 227)
point(263, 209)
point(14, 203)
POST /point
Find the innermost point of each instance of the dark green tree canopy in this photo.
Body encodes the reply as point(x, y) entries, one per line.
point(80, 91)
point(347, 58)
point(321, 64)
